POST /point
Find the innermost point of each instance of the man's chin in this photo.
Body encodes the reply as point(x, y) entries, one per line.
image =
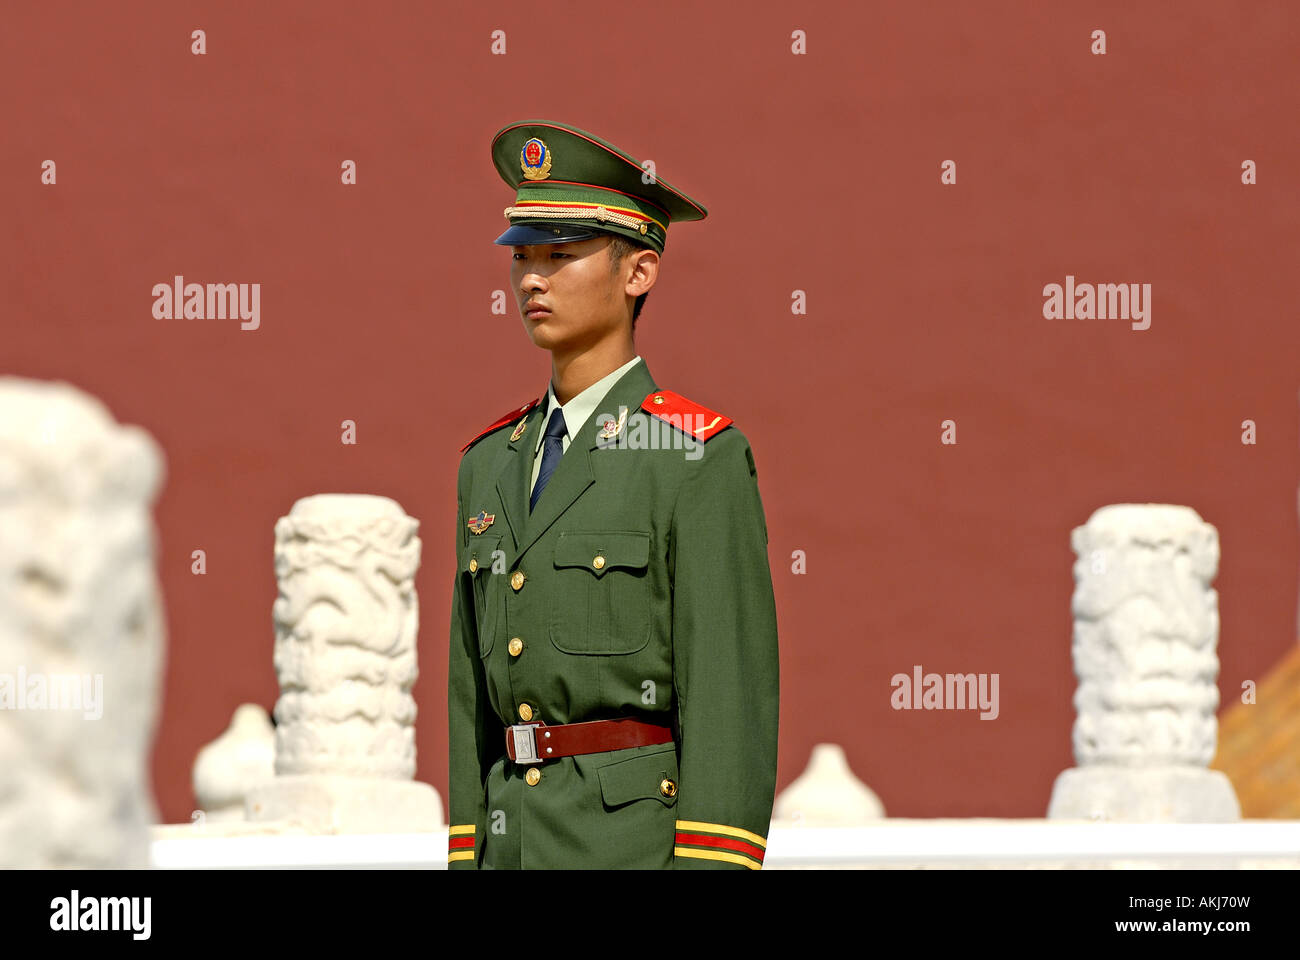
point(550, 335)
point(545, 333)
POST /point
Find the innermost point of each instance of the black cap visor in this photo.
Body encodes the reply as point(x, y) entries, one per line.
point(525, 234)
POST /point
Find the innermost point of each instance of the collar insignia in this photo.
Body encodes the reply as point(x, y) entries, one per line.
point(613, 427)
point(519, 430)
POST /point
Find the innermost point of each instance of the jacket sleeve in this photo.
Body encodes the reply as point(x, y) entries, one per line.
point(467, 725)
point(725, 661)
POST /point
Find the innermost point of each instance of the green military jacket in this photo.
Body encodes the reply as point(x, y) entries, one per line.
point(676, 624)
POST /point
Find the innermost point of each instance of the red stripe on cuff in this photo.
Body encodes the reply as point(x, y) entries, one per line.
point(724, 843)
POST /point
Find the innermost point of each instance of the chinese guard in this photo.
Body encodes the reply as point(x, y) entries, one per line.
point(613, 660)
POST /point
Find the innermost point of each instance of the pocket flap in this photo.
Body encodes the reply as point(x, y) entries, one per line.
point(639, 778)
point(599, 552)
point(478, 552)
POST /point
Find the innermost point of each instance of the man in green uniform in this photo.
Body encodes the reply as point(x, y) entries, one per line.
point(613, 664)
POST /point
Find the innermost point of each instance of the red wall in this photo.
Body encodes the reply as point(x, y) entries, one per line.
point(821, 173)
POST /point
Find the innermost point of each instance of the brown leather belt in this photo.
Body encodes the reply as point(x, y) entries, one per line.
point(535, 742)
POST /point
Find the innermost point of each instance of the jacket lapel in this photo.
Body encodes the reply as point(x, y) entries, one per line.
point(514, 471)
point(574, 474)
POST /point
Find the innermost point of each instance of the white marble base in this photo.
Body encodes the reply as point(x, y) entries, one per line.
point(330, 804)
point(889, 844)
point(1144, 794)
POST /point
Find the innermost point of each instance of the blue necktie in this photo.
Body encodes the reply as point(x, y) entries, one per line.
point(552, 450)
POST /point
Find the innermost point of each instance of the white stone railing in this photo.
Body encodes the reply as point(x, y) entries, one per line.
point(892, 843)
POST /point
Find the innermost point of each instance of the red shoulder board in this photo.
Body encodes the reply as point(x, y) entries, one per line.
point(510, 417)
point(700, 422)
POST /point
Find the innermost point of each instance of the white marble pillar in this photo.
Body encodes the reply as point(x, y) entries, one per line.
point(1146, 627)
point(345, 653)
point(81, 630)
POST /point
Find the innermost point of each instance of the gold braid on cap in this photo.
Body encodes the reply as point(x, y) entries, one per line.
point(601, 213)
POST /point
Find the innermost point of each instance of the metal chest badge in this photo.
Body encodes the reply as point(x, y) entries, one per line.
point(535, 159)
point(613, 427)
point(481, 522)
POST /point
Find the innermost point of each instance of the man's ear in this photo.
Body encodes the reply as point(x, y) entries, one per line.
point(645, 271)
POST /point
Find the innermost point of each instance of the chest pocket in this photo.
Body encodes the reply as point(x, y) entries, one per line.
point(602, 603)
point(477, 563)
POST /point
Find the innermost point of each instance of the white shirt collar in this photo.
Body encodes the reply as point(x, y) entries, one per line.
point(579, 408)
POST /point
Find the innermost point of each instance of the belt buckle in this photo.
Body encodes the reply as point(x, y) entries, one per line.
point(525, 739)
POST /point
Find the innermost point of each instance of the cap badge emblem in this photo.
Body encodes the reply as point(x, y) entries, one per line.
point(535, 160)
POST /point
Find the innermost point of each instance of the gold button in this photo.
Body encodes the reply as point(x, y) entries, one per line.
point(473, 565)
point(516, 647)
point(533, 776)
point(667, 788)
point(659, 399)
point(525, 712)
point(517, 579)
point(599, 562)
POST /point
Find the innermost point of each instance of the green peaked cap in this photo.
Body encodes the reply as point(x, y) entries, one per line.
point(571, 185)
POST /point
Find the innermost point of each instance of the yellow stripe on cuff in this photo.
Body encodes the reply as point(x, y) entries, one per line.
point(462, 828)
point(717, 855)
point(721, 828)
point(460, 855)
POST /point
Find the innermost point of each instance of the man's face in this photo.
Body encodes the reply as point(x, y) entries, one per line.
point(581, 302)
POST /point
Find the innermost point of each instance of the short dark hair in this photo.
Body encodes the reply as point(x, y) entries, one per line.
point(619, 248)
